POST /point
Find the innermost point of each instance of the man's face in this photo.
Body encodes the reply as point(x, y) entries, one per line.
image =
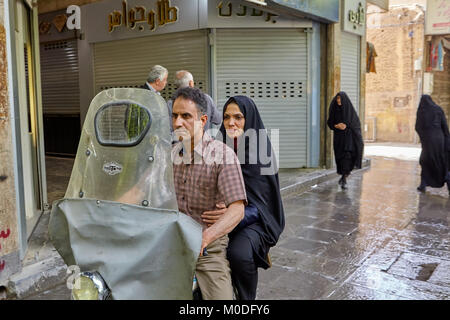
point(161, 84)
point(186, 121)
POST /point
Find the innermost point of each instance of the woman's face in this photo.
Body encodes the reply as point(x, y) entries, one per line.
point(338, 100)
point(233, 121)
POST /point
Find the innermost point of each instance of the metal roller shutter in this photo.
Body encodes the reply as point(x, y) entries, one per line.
point(350, 66)
point(271, 67)
point(126, 63)
point(59, 76)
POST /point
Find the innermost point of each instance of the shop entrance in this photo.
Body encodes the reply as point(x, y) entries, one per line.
point(31, 135)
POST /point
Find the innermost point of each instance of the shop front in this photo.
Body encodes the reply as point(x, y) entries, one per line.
point(353, 23)
point(231, 48)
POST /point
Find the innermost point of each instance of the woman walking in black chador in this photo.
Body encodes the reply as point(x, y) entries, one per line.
point(432, 128)
point(347, 142)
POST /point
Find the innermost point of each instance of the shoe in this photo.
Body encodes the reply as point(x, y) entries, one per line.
point(344, 183)
point(340, 180)
point(421, 188)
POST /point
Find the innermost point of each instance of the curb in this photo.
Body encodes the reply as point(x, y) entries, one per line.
point(37, 277)
point(315, 178)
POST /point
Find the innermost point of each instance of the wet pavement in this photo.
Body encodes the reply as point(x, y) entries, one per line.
point(379, 239)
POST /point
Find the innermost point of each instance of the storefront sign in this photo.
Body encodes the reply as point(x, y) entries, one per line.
point(58, 25)
point(354, 16)
point(129, 17)
point(323, 10)
point(225, 9)
point(236, 14)
point(126, 19)
point(437, 17)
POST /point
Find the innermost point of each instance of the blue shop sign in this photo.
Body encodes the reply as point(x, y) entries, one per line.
point(323, 10)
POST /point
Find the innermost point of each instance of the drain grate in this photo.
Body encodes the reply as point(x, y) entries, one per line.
point(426, 271)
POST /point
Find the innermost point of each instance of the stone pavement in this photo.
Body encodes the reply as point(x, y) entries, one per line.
point(380, 239)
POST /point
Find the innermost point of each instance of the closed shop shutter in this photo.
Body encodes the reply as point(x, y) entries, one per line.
point(271, 67)
point(126, 63)
point(59, 76)
point(351, 66)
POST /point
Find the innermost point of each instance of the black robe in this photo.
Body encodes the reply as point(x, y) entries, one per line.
point(432, 128)
point(263, 190)
point(348, 144)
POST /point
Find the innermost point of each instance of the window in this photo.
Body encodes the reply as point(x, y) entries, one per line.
point(122, 124)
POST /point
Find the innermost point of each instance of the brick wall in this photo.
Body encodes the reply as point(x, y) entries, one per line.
point(393, 92)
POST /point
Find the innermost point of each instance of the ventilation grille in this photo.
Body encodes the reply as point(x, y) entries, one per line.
point(166, 93)
point(55, 45)
point(265, 90)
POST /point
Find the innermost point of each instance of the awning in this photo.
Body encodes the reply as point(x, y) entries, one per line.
point(326, 11)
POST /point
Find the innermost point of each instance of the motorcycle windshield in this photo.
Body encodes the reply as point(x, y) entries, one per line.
point(120, 216)
point(124, 151)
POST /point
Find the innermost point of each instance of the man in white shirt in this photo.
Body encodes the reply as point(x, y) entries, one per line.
point(185, 79)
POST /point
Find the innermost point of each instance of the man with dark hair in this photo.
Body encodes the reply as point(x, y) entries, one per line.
point(206, 171)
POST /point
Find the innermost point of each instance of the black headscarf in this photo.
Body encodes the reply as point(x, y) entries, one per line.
point(351, 137)
point(427, 113)
point(431, 125)
point(263, 191)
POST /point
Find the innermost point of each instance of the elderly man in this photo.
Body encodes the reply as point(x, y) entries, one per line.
point(157, 79)
point(185, 79)
point(206, 171)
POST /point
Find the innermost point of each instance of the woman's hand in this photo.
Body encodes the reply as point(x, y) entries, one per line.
point(340, 126)
point(210, 217)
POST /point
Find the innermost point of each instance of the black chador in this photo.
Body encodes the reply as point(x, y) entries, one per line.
point(347, 142)
point(249, 246)
point(432, 128)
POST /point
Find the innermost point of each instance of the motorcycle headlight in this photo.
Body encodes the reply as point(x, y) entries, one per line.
point(90, 286)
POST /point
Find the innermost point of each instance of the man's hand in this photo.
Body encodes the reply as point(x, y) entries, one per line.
point(210, 217)
point(225, 224)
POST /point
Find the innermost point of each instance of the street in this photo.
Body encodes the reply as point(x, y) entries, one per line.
point(379, 239)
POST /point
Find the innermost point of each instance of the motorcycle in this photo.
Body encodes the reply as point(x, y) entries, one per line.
point(118, 222)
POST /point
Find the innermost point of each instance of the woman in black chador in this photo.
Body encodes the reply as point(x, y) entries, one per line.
point(263, 222)
point(432, 128)
point(347, 142)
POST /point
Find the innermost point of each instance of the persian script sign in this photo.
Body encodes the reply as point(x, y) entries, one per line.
point(354, 16)
point(437, 17)
point(137, 16)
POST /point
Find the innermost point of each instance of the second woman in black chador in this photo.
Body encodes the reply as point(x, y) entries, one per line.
point(264, 218)
point(347, 142)
point(432, 128)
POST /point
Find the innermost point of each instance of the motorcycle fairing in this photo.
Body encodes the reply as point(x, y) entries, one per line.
point(120, 215)
point(142, 253)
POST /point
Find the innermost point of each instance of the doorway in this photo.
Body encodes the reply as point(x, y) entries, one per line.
point(30, 117)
